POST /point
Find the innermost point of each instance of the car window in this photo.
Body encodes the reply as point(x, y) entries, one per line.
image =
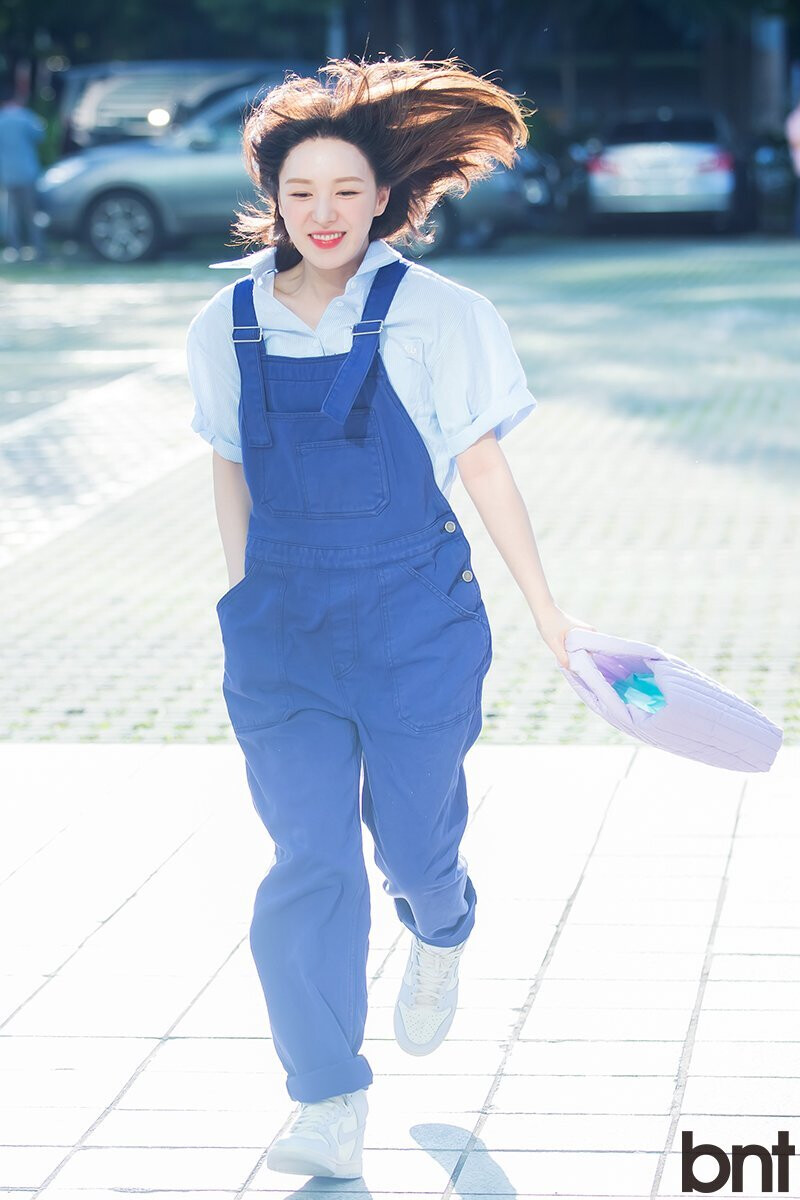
point(223, 109)
point(228, 126)
point(678, 129)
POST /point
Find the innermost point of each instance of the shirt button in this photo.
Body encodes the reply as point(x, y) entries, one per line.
point(466, 575)
point(450, 526)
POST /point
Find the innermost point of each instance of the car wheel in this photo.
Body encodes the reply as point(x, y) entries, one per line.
point(444, 223)
point(123, 227)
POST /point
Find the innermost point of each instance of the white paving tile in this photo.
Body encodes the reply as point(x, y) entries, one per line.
point(512, 1173)
point(584, 1058)
point(742, 1058)
point(580, 963)
point(757, 967)
point(197, 1167)
point(753, 1095)
point(606, 1024)
point(28, 1166)
point(572, 1131)
point(593, 1094)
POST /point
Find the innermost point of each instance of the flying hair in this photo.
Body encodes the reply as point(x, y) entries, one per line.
point(427, 127)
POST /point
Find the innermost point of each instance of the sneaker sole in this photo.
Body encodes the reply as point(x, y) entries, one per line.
point(295, 1162)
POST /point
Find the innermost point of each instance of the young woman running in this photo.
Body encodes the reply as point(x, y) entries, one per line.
point(340, 384)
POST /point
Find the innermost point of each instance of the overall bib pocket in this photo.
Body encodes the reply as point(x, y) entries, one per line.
point(438, 641)
point(343, 477)
point(318, 468)
point(255, 685)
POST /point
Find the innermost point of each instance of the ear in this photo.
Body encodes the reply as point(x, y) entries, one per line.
point(383, 194)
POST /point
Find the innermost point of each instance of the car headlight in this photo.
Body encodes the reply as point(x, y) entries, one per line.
point(536, 191)
point(60, 172)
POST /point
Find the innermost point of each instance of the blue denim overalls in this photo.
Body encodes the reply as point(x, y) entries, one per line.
point(358, 630)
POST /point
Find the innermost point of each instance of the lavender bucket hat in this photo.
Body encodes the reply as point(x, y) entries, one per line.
point(662, 700)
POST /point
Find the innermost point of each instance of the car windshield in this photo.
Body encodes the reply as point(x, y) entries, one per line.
point(678, 129)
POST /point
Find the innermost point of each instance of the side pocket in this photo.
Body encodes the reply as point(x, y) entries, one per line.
point(255, 684)
point(250, 572)
point(437, 651)
point(447, 571)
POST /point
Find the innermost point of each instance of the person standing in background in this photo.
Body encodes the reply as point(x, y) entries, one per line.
point(21, 131)
point(792, 131)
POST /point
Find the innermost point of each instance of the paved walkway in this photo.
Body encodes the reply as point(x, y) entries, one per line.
point(635, 968)
point(634, 972)
point(659, 470)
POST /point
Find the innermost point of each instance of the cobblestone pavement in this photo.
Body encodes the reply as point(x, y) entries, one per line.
point(633, 973)
point(660, 470)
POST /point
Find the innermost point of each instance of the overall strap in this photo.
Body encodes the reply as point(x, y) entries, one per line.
point(247, 336)
point(353, 371)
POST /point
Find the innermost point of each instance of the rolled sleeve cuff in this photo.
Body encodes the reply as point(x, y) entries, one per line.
point(223, 448)
point(501, 417)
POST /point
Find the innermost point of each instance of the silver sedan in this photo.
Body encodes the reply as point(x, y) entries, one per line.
point(666, 163)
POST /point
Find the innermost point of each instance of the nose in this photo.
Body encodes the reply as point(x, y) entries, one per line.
point(324, 211)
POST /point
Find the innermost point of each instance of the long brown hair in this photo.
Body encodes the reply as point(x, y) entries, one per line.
point(426, 127)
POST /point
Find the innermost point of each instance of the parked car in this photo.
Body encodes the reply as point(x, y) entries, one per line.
point(113, 101)
point(669, 163)
point(127, 201)
point(509, 200)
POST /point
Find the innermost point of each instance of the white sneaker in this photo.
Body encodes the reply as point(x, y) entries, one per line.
point(428, 996)
point(325, 1138)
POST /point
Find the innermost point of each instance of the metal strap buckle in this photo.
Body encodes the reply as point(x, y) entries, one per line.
point(376, 321)
point(238, 328)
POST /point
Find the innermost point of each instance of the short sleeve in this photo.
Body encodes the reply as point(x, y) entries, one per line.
point(214, 381)
point(478, 380)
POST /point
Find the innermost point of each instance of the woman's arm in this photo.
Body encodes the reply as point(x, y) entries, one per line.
point(233, 504)
point(487, 477)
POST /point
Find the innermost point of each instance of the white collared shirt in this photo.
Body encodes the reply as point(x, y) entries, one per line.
point(446, 349)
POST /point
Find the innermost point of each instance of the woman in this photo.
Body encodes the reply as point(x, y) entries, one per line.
point(340, 384)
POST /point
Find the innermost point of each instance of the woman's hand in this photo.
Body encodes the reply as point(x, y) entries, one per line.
point(553, 624)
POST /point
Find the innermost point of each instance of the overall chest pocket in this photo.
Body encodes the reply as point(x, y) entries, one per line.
point(317, 468)
point(343, 477)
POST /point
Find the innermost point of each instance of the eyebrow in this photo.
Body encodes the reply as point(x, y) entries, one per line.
point(344, 179)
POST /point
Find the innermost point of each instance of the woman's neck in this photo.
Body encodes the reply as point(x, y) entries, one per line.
point(315, 284)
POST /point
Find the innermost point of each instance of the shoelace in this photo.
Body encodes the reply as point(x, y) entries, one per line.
point(430, 969)
point(315, 1116)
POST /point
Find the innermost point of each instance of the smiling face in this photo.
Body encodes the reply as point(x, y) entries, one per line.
point(326, 185)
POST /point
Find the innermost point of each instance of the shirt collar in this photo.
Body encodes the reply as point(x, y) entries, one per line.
point(262, 262)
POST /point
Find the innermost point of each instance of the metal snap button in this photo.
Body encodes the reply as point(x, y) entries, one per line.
point(466, 575)
point(450, 526)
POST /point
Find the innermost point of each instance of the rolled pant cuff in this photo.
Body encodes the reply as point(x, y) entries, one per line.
point(451, 937)
point(347, 1076)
